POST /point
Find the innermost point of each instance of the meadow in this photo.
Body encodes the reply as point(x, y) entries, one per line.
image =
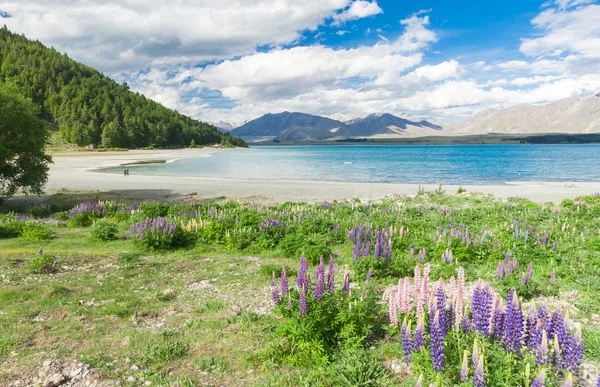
point(449, 290)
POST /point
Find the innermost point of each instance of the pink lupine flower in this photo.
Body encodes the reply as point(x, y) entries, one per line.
point(392, 308)
point(407, 299)
point(460, 296)
point(452, 287)
point(425, 284)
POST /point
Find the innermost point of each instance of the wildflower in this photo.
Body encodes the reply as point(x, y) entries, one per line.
point(479, 377)
point(412, 251)
point(331, 276)
point(419, 381)
point(407, 343)
point(420, 340)
point(475, 354)
point(464, 371)
point(460, 294)
point(482, 308)
point(441, 306)
point(303, 308)
point(369, 274)
point(541, 357)
point(284, 282)
point(437, 344)
point(274, 290)
point(553, 276)
point(500, 271)
point(529, 271)
point(347, 282)
point(302, 274)
point(392, 308)
point(540, 381)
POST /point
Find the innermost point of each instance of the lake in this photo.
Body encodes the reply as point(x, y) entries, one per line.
point(444, 164)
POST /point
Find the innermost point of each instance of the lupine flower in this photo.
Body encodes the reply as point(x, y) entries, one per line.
point(369, 274)
point(464, 371)
point(556, 353)
point(553, 276)
point(540, 381)
point(392, 308)
point(420, 340)
point(598, 382)
point(275, 291)
point(568, 380)
point(412, 251)
point(331, 276)
point(419, 381)
point(479, 377)
point(460, 294)
point(319, 281)
point(284, 282)
point(407, 343)
point(475, 354)
point(500, 271)
point(347, 282)
point(541, 357)
point(437, 344)
point(303, 308)
point(425, 282)
point(529, 272)
point(441, 306)
point(482, 308)
point(302, 274)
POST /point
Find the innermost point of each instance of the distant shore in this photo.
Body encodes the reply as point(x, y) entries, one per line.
point(75, 172)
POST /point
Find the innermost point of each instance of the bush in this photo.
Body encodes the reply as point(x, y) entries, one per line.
point(314, 328)
point(10, 229)
point(104, 230)
point(42, 264)
point(40, 211)
point(158, 235)
point(62, 216)
point(313, 248)
point(128, 259)
point(241, 238)
point(155, 209)
point(84, 214)
point(36, 232)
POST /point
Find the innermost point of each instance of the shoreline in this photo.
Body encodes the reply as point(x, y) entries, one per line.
point(80, 172)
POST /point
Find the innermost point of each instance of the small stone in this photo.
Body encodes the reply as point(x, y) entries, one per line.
point(54, 380)
point(47, 363)
point(134, 368)
point(148, 383)
point(131, 379)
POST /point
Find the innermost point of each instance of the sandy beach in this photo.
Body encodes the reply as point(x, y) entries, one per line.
point(74, 172)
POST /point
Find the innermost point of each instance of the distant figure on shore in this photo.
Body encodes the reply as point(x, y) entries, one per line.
point(126, 172)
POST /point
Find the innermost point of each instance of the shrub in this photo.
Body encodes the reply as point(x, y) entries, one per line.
point(320, 320)
point(241, 238)
point(10, 229)
point(313, 248)
point(154, 209)
point(42, 264)
point(84, 214)
point(62, 216)
point(158, 235)
point(104, 230)
point(36, 232)
point(40, 211)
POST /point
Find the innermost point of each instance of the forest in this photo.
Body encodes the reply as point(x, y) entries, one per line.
point(88, 107)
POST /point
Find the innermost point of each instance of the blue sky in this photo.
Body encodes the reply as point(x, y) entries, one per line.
point(236, 60)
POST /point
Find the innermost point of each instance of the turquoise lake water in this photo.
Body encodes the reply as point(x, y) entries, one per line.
point(452, 164)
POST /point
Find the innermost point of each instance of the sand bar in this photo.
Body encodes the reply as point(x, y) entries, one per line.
point(74, 171)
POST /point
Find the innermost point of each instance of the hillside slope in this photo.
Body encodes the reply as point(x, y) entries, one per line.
point(90, 108)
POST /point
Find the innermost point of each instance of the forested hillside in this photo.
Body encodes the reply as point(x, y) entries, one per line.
point(90, 108)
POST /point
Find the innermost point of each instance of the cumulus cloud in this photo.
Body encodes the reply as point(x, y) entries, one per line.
point(133, 34)
point(358, 9)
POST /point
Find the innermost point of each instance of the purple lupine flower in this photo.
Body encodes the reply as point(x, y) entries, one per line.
point(41, 252)
point(356, 250)
point(482, 308)
point(553, 276)
point(529, 272)
point(369, 274)
point(303, 308)
point(545, 238)
point(466, 325)
point(555, 244)
point(319, 281)
point(464, 370)
point(576, 347)
point(530, 325)
point(284, 282)
point(347, 282)
point(407, 343)
point(437, 344)
point(541, 357)
point(513, 322)
point(302, 273)
point(479, 377)
point(540, 381)
point(598, 382)
point(441, 307)
point(420, 340)
point(556, 353)
point(275, 291)
point(331, 276)
point(412, 251)
point(500, 271)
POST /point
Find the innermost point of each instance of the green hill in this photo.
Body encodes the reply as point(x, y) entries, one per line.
point(90, 108)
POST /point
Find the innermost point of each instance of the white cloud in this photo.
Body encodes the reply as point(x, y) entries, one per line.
point(358, 9)
point(564, 4)
point(133, 34)
point(342, 32)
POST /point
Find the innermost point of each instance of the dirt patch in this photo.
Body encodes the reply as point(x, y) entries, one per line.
point(56, 373)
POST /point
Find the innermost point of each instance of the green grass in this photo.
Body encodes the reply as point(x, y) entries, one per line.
point(201, 315)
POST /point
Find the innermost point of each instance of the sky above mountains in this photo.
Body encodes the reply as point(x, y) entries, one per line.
point(234, 60)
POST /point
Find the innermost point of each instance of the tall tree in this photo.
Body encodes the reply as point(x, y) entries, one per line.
point(23, 164)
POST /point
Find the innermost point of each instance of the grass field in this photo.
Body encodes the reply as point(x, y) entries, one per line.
point(196, 308)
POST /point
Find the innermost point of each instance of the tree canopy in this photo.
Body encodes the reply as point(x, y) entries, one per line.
point(91, 108)
point(23, 164)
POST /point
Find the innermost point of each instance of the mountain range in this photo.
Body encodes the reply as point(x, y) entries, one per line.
point(575, 115)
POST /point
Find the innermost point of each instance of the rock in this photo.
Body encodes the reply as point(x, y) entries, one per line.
point(131, 379)
point(53, 380)
point(134, 368)
point(148, 383)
